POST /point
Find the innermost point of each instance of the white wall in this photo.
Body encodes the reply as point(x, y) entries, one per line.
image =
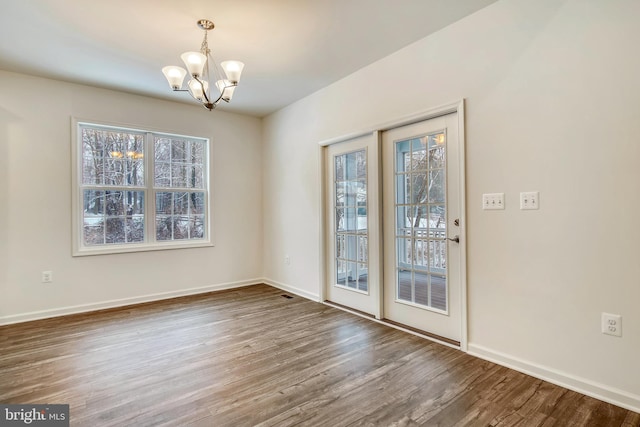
point(553, 99)
point(35, 201)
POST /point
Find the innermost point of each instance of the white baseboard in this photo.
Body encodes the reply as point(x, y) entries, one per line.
point(83, 308)
point(292, 289)
point(581, 385)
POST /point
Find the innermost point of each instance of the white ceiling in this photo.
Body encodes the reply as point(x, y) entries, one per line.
point(291, 48)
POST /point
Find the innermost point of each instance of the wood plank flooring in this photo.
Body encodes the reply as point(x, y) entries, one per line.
point(249, 357)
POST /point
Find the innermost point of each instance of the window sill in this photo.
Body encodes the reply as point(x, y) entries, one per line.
point(144, 247)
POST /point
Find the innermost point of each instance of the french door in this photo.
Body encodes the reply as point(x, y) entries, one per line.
point(394, 210)
point(353, 269)
point(422, 203)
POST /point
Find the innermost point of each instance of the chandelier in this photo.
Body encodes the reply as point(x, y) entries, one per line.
point(203, 70)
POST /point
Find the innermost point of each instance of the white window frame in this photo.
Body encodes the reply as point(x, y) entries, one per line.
point(150, 243)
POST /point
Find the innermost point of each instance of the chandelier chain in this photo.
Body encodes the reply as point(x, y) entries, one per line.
point(204, 47)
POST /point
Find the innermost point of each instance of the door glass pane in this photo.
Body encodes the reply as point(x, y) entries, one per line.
point(421, 245)
point(350, 205)
point(341, 268)
point(363, 277)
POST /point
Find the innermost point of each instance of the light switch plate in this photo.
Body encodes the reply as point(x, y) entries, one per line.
point(529, 200)
point(493, 201)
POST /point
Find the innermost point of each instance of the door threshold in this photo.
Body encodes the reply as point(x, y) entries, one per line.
point(430, 335)
point(402, 327)
point(349, 309)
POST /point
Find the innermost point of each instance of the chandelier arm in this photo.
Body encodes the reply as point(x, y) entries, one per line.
point(223, 90)
point(204, 92)
point(217, 101)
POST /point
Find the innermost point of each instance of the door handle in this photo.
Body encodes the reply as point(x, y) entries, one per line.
point(454, 239)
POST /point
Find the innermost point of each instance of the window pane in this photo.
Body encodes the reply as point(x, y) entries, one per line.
point(114, 172)
point(197, 227)
point(164, 203)
point(180, 227)
point(339, 162)
point(92, 158)
point(93, 203)
point(419, 155)
point(351, 275)
point(134, 172)
point(363, 277)
point(163, 174)
point(135, 229)
point(93, 231)
point(437, 192)
point(114, 203)
point(197, 177)
point(198, 152)
point(403, 187)
point(437, 157)
point(351, 192)
point(162, 150)
point(363, 249)
point(351, 166)
point(421, 288)
point(197, 203)
point(361, 164)
point(419, 187)
point(341, 272)
point(340, 220)
point(340, 245)
point(404, 253)
point(115, 232)
point(164, 227)
point(350, 220)
point(403, 219)
point(181, 203)
point(405, 285)
point(179, 176)
point(135, 202)
point(178, 151)
point(438, 292)
point(362, 220)
point(340, 194)
point(352, 247)
point(361, 192)
point(437, 217)
point(438, 255)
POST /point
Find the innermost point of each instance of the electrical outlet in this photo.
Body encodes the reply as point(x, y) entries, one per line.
point(287, 260)
point(529, 200)
point(47, 276)
point(612, 324)
point(493, 201)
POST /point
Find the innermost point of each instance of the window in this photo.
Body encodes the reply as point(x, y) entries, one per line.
point(138, 190)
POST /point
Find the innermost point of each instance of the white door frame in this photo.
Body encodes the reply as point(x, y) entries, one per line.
point(376, 131)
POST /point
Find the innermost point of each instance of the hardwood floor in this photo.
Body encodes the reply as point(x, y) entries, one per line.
point(248, 357)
